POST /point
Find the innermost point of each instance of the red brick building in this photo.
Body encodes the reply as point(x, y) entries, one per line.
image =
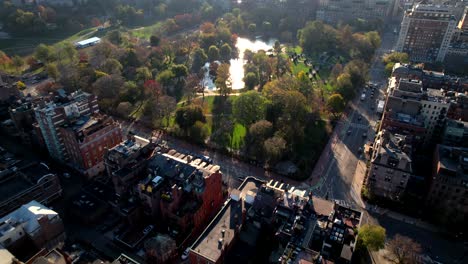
point(183, 193)
point(87, 139)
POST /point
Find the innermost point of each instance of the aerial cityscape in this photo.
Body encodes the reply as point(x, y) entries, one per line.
point(233, 131)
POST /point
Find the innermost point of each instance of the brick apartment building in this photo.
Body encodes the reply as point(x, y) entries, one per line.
point(414, 110)
point(86, 140)
point(182, 193)
point(448, 193)
point(455, 133)
point(335, 11)
point(27, 230)
point(391, 165)
point(22, 184)
point(312, 227)
point(426, 32)
point(126, 162)
point(54, 114)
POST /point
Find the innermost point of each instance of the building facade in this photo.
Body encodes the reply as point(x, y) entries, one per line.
point(426, 32)
point(126, 162)
point(448, 193)
point(22, 185)
point(391, 165)
point(86, 140)
point(56, 113)
point(183, 193)
point(335, 11)
point(33, 222)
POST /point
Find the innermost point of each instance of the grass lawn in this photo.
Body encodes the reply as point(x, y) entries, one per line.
point(146, 32)
point(238, 135)
point(25, 45)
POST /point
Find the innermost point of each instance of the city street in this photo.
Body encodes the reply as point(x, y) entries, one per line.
point(334, 175)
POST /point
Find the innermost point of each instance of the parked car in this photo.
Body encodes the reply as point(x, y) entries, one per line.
point(184, 255)
point(148, 229)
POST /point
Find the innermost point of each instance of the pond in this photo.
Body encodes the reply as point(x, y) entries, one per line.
point(236, 68)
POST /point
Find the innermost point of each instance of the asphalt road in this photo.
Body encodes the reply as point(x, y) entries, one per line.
point(335, 176)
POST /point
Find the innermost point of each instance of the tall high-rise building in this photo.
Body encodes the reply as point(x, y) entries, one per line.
point(54, 114)
point(335, 11)
point(87, 138)
point(426, 32)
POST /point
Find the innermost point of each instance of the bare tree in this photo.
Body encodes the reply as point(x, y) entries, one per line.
point(403, 250)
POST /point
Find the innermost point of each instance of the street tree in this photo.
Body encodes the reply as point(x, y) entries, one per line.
point(336, 104)
point(372, 237)
point(403, 250)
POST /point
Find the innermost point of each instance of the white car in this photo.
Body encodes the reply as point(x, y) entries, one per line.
point(184, 255)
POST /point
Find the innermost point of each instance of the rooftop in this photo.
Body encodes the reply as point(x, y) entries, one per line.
point(88, 41)
point(124, 259)
point(29, 214)
point(220, 232)
point(19, 180)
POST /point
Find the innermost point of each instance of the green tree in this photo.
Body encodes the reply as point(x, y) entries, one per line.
point(374, 38)
point(53, 71)
point(274, 149)
point(249, 107)
point(17, 62)
point(179, 70)
point(154, 40)
point(213, 53)
point(66, 51)
point(143, 74)
point(44, 53)
point(258, 133)
point(317, 37)
point(396, 57)
point(115, 37)
point(336, 104)
point(20, 85)
point(372, 237)
point(199, 132)
point(165, 78)
point(225, 52)
point(187, 116)
point(223, 80)
point(111, 66)
point(199, 59)
point(251, 80)
point(252, 28)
